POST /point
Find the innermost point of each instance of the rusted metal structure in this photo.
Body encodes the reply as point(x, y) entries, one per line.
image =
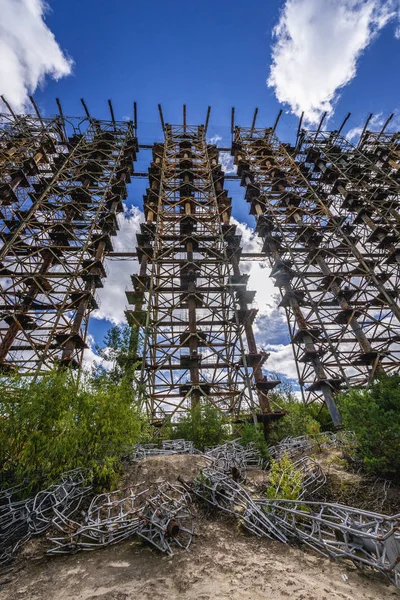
point(328, 214)
point(190, 298)
point(62, 182)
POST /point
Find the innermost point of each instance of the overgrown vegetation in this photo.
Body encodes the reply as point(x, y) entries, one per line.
point(250, 434)
point(284, 481)
point(204, 425)
point(53, 424)
point(374, 416)
point(300, 419)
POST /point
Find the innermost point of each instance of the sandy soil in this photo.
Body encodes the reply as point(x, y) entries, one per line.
point(224, 563)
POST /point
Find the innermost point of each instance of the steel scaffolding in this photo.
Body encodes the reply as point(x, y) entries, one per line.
point(190, 298)
point(328, 215)
point(62, 182)
point(326, 210)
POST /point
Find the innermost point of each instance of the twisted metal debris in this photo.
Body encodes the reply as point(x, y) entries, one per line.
point(142, 451)
point(312, 475)
point(233, 459)
point(111, 518)
point(164, 520)
point(368, 539)
point(224, 493)
point(20, 519)
point(292, 446)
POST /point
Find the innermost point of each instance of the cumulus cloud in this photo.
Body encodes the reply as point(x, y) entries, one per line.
point(270, 326)
point(91, 359)
point(267, 296)
point(281, 360)
point(28, 50)
point(112, 296)
point(317, 44)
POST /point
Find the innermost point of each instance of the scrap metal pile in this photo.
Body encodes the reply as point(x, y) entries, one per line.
point(161, 515)
point(234, 458)
point(162, 519)
point(20, 519)
point(292, 446)
point(368, 539)
point(168, 447)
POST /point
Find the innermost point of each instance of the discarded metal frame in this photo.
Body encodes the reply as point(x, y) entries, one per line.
point(368, 539)
point(21, 519)
point(164, 520)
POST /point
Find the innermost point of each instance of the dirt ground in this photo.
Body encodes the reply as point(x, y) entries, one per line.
point(224, 562)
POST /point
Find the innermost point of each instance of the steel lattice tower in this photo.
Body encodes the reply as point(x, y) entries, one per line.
point(190, 298)
point(62, 182)
point(328, 215)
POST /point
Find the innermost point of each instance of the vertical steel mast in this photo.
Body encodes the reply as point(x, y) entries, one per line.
point(328, 215)
point(190, 298)
point(62, 182)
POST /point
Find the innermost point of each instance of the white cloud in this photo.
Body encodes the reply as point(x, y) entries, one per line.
point(91, 359)
point(375, 123)
point(316, 49)
point(281, 360)
point(267, 295)
point(226, 161)
point(112, 296)
point(214, 139)
point(28, 51)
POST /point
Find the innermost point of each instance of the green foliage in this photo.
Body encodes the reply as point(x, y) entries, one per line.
point(284, 481)
point(251, 434)
point(204, 425)
point(300, 419)
point(121, 348)
point(53, 425)
point(374, 416)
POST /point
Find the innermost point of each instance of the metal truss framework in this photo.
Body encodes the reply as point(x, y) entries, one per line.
point(328, 215)
point(190, 297)
point(62, 182)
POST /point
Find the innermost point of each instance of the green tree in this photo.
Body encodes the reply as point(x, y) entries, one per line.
point(284, 481)
point(53, 425)
point(121, 349)
point(251, 434)
point(204, 425)
point(374, 416)
point(300, 419)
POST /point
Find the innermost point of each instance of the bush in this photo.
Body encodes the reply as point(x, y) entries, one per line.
point(52, 425)
point(204, 425)
point(284, 481)
point(300, 419)
point(374, 416)
point(249, 434)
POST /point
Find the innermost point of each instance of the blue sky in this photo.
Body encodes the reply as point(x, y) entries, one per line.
point(334, 55)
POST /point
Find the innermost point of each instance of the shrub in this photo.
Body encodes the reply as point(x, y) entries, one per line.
point(250, 434)
point(284, 481)
point(204, 425)
point(374, 416)
point(52, 425)
point(300, 419)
